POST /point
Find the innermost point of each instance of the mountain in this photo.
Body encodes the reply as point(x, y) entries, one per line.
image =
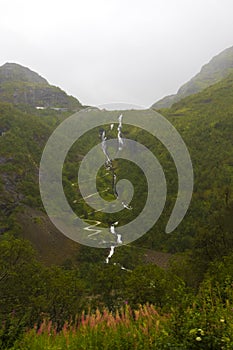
point(21, 86)
point(205, 122)
point(218, 68)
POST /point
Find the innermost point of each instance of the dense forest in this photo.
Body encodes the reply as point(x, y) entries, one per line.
point(57, 294)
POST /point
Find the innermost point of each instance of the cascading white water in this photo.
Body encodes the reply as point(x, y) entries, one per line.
point(108, 165)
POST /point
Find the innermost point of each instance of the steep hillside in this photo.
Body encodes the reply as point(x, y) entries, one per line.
point(218, 68)
point(22, 138)
point(21, 86)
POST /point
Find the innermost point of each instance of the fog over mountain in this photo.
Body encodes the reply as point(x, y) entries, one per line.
point(115, 51)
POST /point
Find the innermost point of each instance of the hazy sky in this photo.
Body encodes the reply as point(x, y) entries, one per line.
point(104, 51)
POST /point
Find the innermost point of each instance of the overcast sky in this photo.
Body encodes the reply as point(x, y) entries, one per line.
point(104, 51)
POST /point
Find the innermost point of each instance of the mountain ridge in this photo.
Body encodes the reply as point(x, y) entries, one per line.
point(219, 67)
point(21, 86)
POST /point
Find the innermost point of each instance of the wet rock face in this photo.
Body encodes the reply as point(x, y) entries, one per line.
point(45, 96)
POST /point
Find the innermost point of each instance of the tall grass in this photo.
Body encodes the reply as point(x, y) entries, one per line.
point(126, 329)
point(204, 321)
point(207, 323)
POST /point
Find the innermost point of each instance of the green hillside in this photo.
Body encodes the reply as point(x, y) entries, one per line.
point(22, 139)
point(218, 68)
